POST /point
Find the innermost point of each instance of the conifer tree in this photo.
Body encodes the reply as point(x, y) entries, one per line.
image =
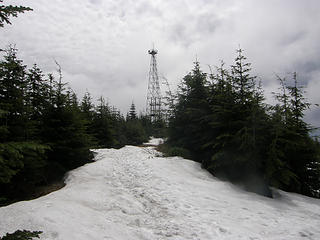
point(222, 101)
point(298, 105)
point(237, 123)
point(132, 113)
point(187, 124)
point(242, 139)
point(301, 152)
point(21, 161)
point(12, 97)
point(134, 131)
point(64, 130)
point(42, 131)
point(88, 113)
point(243, 82)
point(37, 101)
point(87, 107)
point(10, 11)
point(102, 128)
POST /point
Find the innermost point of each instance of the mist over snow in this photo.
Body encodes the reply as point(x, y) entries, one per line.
point(102, 45)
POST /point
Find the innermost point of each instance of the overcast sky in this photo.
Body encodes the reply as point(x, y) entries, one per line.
point(102, 45)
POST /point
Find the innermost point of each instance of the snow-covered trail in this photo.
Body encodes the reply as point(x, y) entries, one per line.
point(133, 193)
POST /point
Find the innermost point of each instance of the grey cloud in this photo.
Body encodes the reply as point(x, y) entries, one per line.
point(102, 45)
point(292, 38)
point(312, 117)
point(98, 2)
point(193, 28)
point(180, 34)
point(146, 8)
point(207, 23)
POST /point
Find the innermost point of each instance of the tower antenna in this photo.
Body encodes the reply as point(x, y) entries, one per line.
point(154, 94)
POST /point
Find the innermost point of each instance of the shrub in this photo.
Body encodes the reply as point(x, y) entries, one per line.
point(174, 151)
point(21, 235)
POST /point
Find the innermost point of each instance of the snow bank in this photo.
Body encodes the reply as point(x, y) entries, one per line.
point(154, 141)
point(132, 194)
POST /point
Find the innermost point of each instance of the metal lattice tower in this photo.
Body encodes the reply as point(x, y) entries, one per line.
point(154, 94)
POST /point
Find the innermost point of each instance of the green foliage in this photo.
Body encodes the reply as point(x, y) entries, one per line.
point(12, 86)
point(102, 128)
point(135, 133)
point(10, 11)
point(21, 235)
point(11, 161)
point(43, 130)
point(65, 133)
point(21, 156)
point(221, 118)
point(178, 151)
point(132, 115)
point(187, 122)
point(169, 151)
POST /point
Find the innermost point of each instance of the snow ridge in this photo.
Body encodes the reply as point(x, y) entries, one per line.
point(134, 193)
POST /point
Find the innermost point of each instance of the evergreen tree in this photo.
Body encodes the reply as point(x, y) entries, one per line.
point(301, 154)
point(221, 117)
point(298, 105)
point(147, 125)
point(42, 130)
point(132, 113)
point(134, 131)
point(10, 11)
point(118, 123)
point(243, 82)
point(187, 124)
point(102, 128)
point(65, 131)
point(21, 235)
point(87, 107)
point(237, 124)
point(37, 95)
point(12, 97)
point(88, 113)
point(22, 161)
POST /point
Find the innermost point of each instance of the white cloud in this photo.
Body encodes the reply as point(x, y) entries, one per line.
point(102, 44)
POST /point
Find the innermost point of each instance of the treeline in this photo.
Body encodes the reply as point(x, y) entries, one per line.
point(221, 120)
point(45, 131)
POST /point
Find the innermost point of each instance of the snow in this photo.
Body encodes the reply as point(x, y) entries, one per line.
point(134, 193)
point(154, 141)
